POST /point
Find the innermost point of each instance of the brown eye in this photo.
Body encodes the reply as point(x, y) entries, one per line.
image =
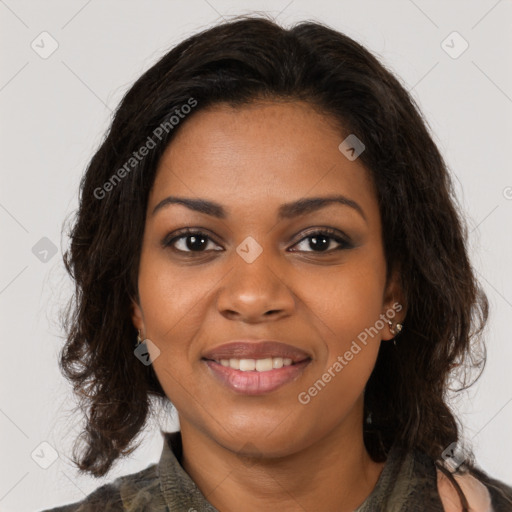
point(190, 241)
point(322, 241)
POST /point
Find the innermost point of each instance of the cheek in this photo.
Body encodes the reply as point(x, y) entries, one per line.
point(351, 337)
point(349, 298)
point(174, 310)
point(174, 304)
point(351, 326)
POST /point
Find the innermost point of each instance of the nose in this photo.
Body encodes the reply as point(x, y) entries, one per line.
point(255, 292)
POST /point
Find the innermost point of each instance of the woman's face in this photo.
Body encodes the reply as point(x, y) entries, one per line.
point(259, 270)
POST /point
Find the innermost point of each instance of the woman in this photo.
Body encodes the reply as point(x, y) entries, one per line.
point(268, 239)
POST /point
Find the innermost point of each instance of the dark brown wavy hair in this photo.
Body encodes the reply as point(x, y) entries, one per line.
point(424, 235)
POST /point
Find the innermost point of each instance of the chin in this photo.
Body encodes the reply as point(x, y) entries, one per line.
point(258, 439)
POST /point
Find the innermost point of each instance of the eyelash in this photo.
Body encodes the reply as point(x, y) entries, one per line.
point(327, 232)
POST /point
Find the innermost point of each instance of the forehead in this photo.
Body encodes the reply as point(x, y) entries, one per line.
point(265, 151)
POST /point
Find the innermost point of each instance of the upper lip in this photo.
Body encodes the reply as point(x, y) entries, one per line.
point(255, 349)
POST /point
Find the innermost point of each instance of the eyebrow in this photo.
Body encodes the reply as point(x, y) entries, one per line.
point(285, 211)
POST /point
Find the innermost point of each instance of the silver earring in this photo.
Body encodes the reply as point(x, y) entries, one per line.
point(139, 339)
point(395, 330)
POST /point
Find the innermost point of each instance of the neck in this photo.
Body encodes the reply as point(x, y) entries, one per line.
point(334, 473)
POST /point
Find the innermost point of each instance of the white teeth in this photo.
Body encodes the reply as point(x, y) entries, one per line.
point(246, 365)
point(260, 365)
point(277, 362)
point(264, 365)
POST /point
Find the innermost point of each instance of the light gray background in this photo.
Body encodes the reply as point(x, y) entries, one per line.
point(54, 112)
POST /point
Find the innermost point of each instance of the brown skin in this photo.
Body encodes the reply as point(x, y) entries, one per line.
point(267, 452)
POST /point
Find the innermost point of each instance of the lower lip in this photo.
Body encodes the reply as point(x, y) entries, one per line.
point(254, 382)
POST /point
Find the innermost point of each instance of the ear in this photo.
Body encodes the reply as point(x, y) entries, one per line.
point(394, 306)
point(137, 316)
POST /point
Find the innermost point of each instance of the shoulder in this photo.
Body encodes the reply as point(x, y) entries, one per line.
point(122, 494)
point(106, 497)
point(483, 493)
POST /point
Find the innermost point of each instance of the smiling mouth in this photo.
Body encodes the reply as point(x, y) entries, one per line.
point(256, 376)
point(259, 365)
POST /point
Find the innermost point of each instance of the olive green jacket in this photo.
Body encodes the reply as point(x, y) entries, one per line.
point(407, 483)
